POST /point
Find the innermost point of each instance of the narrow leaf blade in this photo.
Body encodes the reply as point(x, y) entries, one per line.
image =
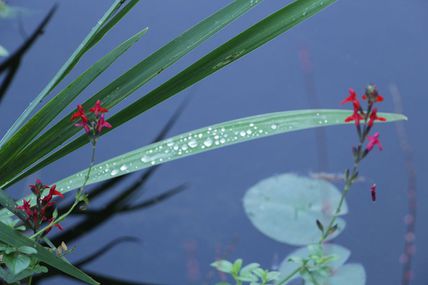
point(209, 138)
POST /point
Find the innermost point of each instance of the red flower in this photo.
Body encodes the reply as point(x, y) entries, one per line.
point(354, 117)
point(374, 140)
point(26, 207)
point(79, 114)
point(374, 117)
point(35, 188)
point(353, 99)
point(84, 125)
point(54, 192)
point(373, 192)
point(97, 109)
point(102, 124)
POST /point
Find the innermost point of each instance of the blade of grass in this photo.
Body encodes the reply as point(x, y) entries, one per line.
point(13, 238)
point(126, 84)
point(209, 138)
point(49, 111)
point(97, 32)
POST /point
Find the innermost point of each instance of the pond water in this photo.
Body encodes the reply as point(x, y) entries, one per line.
point(350, 44)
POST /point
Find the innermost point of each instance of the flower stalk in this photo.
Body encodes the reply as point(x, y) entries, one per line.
point(93, 128)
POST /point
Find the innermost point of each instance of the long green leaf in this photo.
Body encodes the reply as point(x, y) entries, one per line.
point(13, 238)
point(45, 115)
point(97, 32)
point(210, 138)
point(126, 84)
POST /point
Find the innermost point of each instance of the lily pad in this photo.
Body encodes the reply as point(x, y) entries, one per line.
point(285, 208)
point(350, 274)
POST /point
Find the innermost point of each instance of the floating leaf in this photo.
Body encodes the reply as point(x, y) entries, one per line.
point(349, 274)
point(286, 207)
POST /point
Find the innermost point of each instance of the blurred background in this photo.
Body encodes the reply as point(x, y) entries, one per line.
point(350, 44)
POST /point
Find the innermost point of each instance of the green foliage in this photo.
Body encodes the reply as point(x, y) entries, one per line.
point(251, 273)
point(17, 251)
point(323, 265)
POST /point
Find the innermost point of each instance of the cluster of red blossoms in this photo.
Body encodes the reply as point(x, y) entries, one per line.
point(368, 117)
point(92, 127)
point(44, 207)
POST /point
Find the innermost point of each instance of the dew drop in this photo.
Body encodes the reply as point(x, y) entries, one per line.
point(145, 159)
point(208, 142)
point(123, 168)
point(274, 126)
point(242, 133)
point(193, 143)
point(114, 172)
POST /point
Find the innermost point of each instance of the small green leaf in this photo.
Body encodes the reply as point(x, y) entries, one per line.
point(9, 250)
point(236, 267)
point(249, 268)
point(27, 249)
point(223, 266)
point(16, 263)
point(273, 276)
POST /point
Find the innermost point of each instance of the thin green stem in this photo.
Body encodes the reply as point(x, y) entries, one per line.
point(349, 181)
point(291, 275)
point(313, 280)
